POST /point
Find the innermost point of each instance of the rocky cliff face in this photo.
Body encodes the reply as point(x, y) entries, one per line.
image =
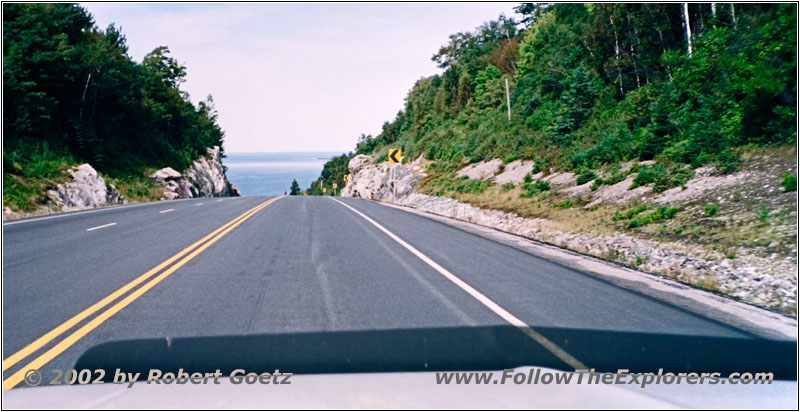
point(385, 182)
point(204, 178)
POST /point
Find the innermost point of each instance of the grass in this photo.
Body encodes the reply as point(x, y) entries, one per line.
point(137, 188)
point(26, 179)
point(707, 283)
point(563, 205)
point(448, 184)
point(762, 213)
point(507, 186)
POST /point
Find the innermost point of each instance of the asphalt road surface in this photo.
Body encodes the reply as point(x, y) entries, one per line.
point(304, 268)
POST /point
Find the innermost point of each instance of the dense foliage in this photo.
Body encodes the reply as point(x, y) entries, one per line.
point(333, 172)
point(72, 94)
point(596, 84)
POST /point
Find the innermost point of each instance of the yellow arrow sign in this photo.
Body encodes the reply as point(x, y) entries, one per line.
point(324, 189)
point(395, 156)
point(334, 185)
point(346, 178)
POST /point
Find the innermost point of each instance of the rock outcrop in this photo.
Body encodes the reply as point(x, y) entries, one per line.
point(204, 178)
point(385, 182)
point(86, 190)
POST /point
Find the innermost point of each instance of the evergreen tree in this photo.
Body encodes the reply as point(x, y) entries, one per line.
point(294, 190)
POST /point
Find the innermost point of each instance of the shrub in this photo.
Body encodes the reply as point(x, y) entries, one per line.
point(630, 213)
point(472, 186)
point(789, 182)
point(662, 213)
point(585, 177)
point(533, 189)
point(662, 177)
point(711, 210)
point(727, 161)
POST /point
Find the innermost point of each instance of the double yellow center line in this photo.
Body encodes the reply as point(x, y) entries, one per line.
point(182, 257)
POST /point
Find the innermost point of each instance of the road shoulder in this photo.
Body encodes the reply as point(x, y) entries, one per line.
point(748, 317)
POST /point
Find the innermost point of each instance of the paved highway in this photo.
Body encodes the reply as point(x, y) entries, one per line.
point(307, 267)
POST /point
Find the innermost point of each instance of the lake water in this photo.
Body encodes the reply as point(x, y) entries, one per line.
point(268, 174)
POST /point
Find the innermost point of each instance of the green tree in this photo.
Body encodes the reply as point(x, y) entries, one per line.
point(72, 94)
point(294, 190)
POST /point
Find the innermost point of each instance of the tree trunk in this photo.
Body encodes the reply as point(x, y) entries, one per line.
point(688, 28)
point(616, 54)
point(83, 98)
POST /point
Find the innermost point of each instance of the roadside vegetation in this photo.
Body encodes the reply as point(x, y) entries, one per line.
point(72, 94)
point(594, 85)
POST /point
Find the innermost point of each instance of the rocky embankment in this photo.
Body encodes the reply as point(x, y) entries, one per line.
point(768, 280)
point(204, 178)
point(86, 189)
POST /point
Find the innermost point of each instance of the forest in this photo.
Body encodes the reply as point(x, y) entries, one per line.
point(72, 94)
point(595, 84)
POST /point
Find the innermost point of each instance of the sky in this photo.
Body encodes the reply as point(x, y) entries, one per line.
point(300, 76)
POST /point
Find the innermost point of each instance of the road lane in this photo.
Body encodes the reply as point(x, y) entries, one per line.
point(297, 266)
point(53, 269)
point(308, 264)
point(99, 312)
point(540, 292)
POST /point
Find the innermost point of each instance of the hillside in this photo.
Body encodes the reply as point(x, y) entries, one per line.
point(620, 129)
point(72, 95)
point(596, 84)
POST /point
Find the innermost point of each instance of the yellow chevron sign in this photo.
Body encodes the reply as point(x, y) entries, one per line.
point(395, 156)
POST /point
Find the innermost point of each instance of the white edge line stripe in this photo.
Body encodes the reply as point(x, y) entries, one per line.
point(494, 307)
point(166, 211)
point(199, 204)
point(100, 227)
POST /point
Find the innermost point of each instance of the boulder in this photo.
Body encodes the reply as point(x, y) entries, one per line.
point(86, 190)
point(165, 174)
